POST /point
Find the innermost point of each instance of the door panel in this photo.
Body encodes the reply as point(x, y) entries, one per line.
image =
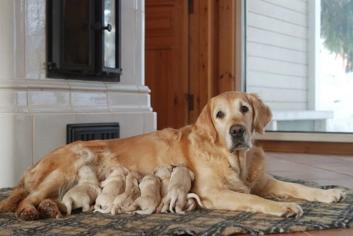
point(167, 60)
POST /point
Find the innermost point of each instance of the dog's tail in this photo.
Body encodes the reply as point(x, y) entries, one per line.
point(19, 193)
point(196, 197)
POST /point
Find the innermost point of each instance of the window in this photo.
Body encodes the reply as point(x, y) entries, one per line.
point(299, 60)
point(83, 39)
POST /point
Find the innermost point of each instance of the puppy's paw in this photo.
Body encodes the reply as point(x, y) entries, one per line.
point(332, 195)
point(291, 210)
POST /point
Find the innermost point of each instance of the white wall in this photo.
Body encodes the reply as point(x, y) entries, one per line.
point(34, 110)
point(277, 52)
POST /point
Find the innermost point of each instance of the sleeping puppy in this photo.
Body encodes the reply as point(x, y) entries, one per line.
point(164, 173)
point(131, 193)
point(150, 198)
point(178, 189)
point(112, 186)
point(84, 193)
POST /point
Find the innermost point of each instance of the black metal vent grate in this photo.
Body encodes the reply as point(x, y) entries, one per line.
point(92, 131)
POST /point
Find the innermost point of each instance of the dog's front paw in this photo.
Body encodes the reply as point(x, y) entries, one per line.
point(28, 213)
point(48, 208)
point(333, 195)
point(289, 209)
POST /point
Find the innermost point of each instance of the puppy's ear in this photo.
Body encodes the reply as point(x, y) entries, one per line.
point(192, 175)
point(262, 113)
point(204, 122)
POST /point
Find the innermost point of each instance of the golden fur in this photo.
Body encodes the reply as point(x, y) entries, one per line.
point(178, 188)
point(84, 193)
point(112, 186)
point(228, 175)
point(147, 203)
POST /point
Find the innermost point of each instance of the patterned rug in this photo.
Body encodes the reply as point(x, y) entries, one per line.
point(317, 216)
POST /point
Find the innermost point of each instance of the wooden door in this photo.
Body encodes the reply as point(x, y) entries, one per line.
point(166, 60)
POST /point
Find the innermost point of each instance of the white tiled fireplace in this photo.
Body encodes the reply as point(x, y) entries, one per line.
point(34, 110)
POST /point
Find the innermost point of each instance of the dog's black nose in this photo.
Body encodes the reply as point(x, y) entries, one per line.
point(237, 131)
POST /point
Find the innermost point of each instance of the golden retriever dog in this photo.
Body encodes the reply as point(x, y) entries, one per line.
point(229, 170)
point(84, 193)
point(150, 198)
point(112, 186)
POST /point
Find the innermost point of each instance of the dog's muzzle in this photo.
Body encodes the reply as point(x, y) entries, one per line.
point(238, 133)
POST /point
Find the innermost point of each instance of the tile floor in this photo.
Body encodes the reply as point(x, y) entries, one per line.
point(325, 170)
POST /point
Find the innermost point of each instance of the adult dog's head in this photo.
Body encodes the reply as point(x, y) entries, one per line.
point(231, 119)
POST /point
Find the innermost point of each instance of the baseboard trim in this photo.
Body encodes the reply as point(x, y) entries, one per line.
point(307, 147)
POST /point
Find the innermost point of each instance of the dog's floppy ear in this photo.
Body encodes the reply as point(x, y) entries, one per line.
point(262, 113)
point(205, 124)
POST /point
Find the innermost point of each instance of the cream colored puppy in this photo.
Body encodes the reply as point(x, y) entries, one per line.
point(112, 186)
point(131, 193)
point(150, 198)
point(84, 193)
point(164, 173)
point(178, 191)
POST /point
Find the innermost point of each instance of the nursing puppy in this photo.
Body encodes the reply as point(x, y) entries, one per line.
point(150, 198)
point(112, 186)
point(178, 189)
point(131, 193)
point(164, 173)
point(84, 193)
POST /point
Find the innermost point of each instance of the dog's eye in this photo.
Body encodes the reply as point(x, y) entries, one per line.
point(220, 114)
point(244, 109)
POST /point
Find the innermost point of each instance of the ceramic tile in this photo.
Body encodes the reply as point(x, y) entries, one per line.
point(15, 147)
point(89, 101)
point(49, 100)
point(128, 42)
point(13, 100)
point(19, 38)
point(35, 17)
point(7, 23)
point(6, 66)
point(35, 56)
point(94, 118)
point(128, 101)
point(150, 122)
point(130, 123)
point(49, 132)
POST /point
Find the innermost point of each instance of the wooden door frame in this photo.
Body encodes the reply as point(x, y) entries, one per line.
point(215, 50)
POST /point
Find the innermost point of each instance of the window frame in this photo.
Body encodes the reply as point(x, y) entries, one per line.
point(290, 139)
point(95, 69)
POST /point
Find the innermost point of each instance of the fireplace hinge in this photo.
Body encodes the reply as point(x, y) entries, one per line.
point(191, 6)
point(190, 98)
